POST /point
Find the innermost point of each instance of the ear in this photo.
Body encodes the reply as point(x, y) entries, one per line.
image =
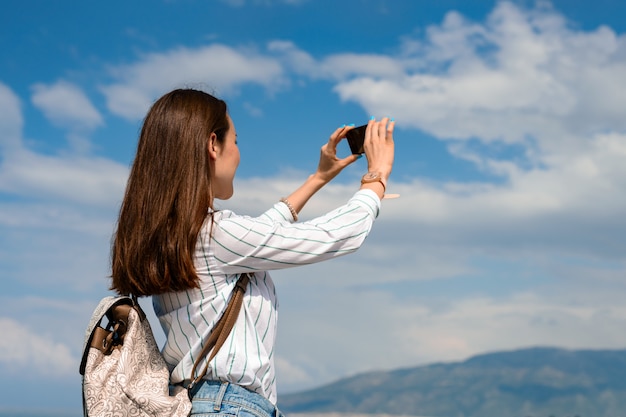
point(213, 146)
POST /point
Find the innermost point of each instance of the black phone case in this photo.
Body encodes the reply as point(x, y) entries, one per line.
point(356, 137)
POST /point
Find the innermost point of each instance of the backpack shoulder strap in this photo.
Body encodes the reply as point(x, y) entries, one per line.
point(105, 305)
point(221, 330)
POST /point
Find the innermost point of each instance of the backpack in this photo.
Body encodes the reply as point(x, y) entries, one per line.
point(123, 371)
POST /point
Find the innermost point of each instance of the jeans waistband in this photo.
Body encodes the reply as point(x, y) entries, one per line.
point(220, 393)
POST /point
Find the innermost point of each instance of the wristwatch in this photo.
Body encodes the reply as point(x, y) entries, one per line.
point(374, 177)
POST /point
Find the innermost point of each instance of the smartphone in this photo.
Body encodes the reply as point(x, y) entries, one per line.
point(356, 137)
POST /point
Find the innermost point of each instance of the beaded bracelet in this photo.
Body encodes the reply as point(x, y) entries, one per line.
point(291, 209)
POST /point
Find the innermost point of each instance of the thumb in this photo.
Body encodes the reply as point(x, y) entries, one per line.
point(350, 159)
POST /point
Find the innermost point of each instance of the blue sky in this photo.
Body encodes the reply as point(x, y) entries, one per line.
point(511, 141)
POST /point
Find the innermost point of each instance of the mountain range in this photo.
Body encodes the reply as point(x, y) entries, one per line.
point(533, 382)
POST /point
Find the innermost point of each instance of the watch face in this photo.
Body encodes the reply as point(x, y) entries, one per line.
point(370, 176)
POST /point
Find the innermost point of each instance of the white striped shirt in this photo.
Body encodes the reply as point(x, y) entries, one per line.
point(244, 244)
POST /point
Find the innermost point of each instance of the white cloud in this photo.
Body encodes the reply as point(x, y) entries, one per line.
point(292, 373)
point(523, 78)
point(352, 328)
point(76, 178)
point(85, 180)
point(475, 325)
point(301, 62)
point(66, 105)
point(522, 73)
point(215, 67)
point(11, 120)
point(23, 348)
point(338, 66)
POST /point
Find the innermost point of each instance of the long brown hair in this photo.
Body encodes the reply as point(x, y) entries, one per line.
point(168, 195)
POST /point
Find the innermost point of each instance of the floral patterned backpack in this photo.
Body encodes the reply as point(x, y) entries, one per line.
point(124, 373)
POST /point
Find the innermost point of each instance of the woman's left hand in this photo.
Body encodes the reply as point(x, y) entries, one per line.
point(330, 165)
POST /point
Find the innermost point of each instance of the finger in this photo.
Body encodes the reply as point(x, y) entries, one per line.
point(341, 132)
point(344, 162)
point(329, 150)
point(334, 134)
point(338, 136)
point(346, 129)
point(390, 127)
point(370, 128)
point(382, 127)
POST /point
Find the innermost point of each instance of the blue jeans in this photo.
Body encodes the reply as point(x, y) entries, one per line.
point(216, 398)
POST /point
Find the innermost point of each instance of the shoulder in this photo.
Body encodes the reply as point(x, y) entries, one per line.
point(226, 223)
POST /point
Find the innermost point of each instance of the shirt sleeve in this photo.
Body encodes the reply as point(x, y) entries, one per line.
point(272, 241)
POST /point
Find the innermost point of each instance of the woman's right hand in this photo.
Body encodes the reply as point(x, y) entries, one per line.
point(379, 148)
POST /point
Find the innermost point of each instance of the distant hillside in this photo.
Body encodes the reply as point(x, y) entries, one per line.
point(537, 382)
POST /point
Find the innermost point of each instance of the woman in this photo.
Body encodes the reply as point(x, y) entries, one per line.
point(173, 245)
